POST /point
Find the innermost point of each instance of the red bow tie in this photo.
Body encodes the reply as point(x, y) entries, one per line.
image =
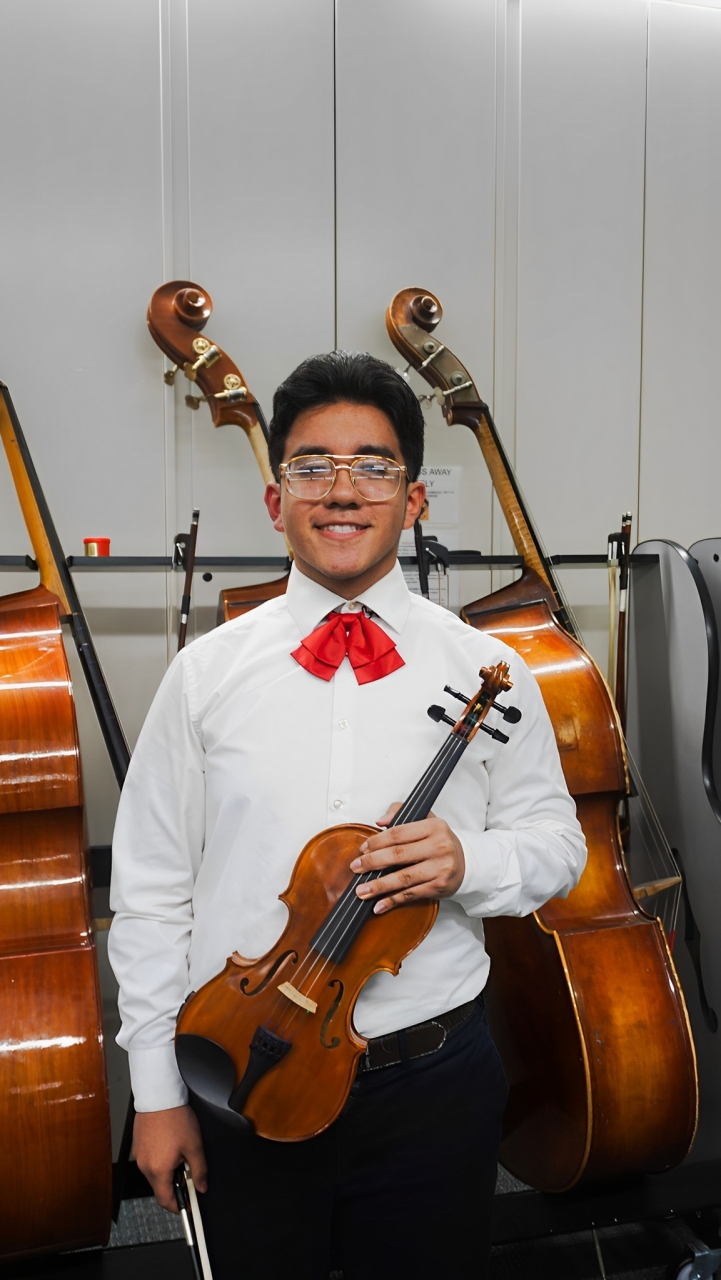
point(371, 652)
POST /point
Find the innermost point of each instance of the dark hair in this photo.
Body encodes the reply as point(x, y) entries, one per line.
point(356, 377)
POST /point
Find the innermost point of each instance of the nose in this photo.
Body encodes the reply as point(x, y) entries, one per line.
point(342, 493)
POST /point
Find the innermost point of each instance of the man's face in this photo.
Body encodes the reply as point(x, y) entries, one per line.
point(342, 541)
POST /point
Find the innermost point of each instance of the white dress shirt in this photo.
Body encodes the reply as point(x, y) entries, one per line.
point(245, 755)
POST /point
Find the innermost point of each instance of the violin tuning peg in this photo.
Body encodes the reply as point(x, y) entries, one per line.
point(439, 714)
point(511, 714)
point(462, 697)
point(496, 734)
point(169, 375)
point(193, 402)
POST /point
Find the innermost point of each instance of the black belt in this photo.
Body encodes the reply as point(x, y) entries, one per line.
point(414, 1042)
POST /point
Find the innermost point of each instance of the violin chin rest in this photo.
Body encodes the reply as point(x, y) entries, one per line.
point(209, 1073)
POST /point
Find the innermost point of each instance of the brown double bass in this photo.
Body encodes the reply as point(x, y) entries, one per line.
point(583, 998)
point(177, 313)
point(55, 1184)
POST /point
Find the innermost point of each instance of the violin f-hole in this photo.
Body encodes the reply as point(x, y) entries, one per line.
point(292, 955)
point(328, 1017)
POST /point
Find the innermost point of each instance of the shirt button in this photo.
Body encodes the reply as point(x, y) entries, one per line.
point(353, 606)
point(342, 724)
point(337, 804)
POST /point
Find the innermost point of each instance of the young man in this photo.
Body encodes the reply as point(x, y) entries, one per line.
point(262, 734)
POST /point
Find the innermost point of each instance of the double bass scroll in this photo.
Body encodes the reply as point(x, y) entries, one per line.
point(177, 313)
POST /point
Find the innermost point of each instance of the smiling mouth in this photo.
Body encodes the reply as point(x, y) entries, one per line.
point(342, 530)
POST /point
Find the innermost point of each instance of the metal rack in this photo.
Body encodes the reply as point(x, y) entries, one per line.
point(280, 564)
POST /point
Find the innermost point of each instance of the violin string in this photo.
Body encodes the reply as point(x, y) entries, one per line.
point(455, 744)
point(340, 922)
point(353, 905)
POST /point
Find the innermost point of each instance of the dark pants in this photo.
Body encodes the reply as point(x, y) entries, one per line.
point(400, 1186)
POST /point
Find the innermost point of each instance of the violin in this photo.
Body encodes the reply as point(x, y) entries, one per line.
point(271, 1043)
point(177, 313)
point(583, 999)
point(55, 1188)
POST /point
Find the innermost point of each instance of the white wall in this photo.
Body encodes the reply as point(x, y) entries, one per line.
point(303, 161)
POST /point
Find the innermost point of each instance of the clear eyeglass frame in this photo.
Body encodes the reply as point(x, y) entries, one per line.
point(299, 486)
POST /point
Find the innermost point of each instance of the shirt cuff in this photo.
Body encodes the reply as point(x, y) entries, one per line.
point(156, 1082)
point(484, 867)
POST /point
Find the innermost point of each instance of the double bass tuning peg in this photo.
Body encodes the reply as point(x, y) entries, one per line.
point(232, 395)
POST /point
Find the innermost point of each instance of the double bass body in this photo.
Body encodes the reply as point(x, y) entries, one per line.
point(583, 998)
point(55, 1183)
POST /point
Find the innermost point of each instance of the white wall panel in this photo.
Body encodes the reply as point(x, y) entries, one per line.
point(583, 69)
point(261, 165)
point(304, 160)
point(80, 250)
point(416, 197)
point(681, 440)
point(80, 244)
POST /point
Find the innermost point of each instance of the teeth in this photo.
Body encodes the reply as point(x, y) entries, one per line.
point(342, 528)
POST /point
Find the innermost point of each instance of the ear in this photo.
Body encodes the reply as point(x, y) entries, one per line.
point(272, 502)
point(415, 497)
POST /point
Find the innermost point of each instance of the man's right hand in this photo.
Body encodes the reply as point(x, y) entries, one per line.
point(161, 1141)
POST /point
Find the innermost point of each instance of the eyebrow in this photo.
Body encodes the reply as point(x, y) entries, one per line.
point(366, 450)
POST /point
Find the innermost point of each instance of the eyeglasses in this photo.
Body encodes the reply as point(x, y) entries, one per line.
point(312, 476)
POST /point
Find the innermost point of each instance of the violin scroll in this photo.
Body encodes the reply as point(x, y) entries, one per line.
point(495, 681)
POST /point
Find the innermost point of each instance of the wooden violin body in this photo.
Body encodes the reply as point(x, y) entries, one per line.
point(583, 998)
point(271, 1041)
point(55, 1183)
point(306, 1090)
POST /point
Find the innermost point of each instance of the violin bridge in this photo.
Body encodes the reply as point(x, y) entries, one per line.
point(305, 1002)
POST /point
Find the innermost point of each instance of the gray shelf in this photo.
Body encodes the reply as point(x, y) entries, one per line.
point(280, 564)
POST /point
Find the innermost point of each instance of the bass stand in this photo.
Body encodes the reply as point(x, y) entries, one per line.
point(704, 1259)
point(430, 553)
point(421, 558)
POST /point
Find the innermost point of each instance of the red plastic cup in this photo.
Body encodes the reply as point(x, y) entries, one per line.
point(97, 546)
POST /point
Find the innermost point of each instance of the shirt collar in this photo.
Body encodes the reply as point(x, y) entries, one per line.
point(309, 603)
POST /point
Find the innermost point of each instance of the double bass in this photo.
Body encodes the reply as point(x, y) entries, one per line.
point(583, 999)
point(55, 1187)
point(177, 313)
